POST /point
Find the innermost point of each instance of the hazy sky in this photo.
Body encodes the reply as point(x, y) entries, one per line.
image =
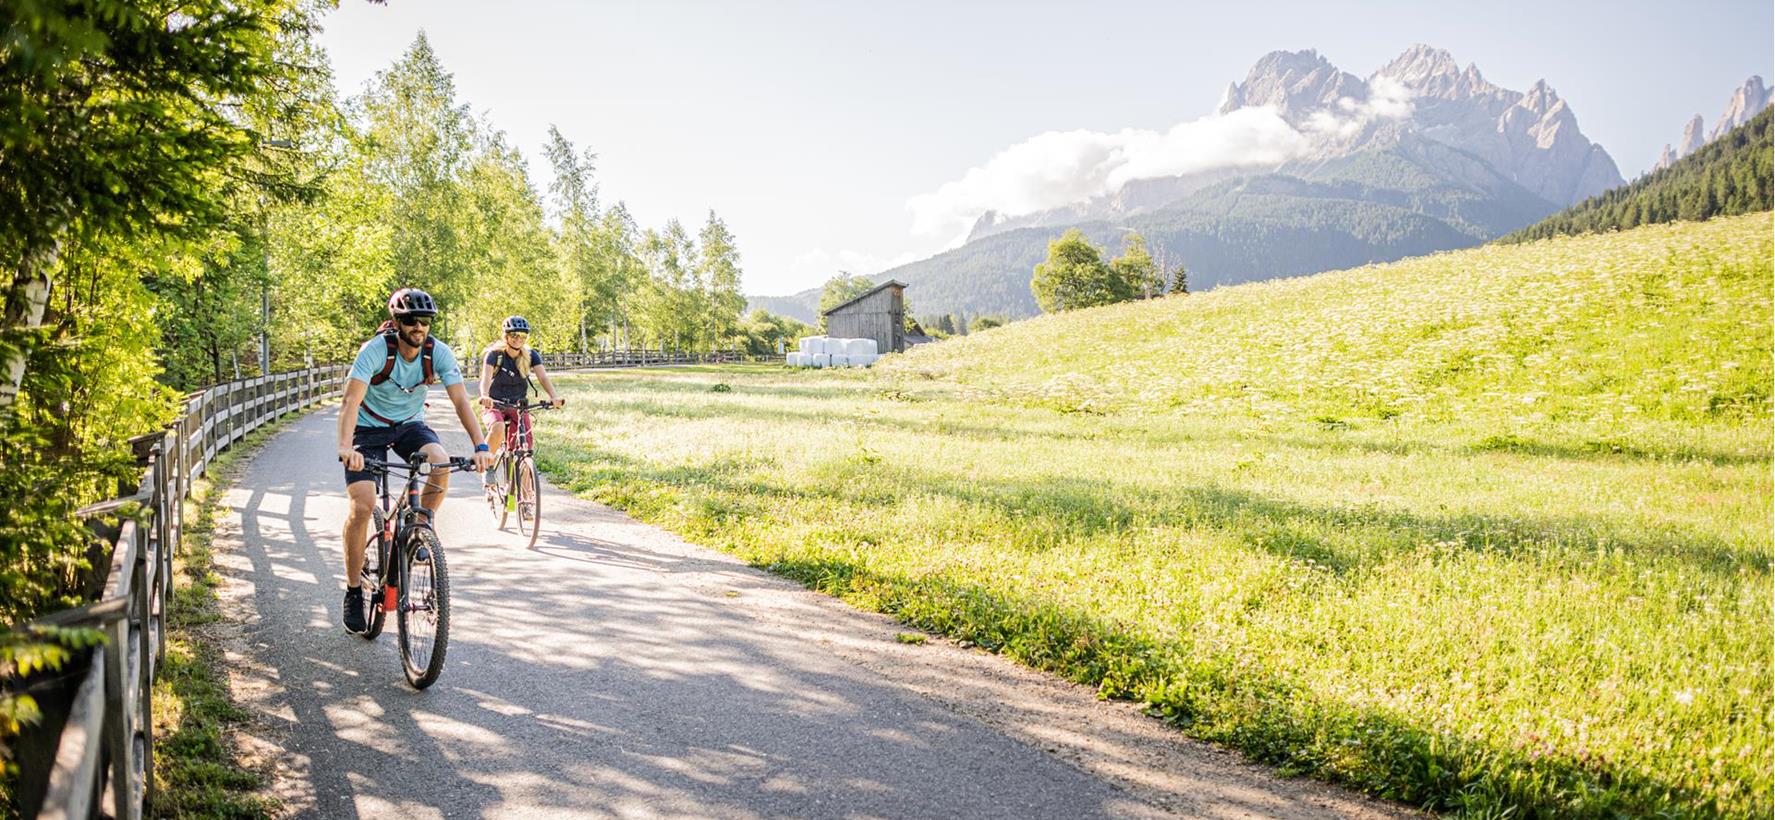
point(810, 127)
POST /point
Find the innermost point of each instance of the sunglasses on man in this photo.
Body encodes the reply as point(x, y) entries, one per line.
point(412, 321)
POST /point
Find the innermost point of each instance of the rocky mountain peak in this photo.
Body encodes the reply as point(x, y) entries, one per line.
point(1746, 102)
point(1540, 99)
point(1432, 73)
point(1691, 137)
point(1296, 83)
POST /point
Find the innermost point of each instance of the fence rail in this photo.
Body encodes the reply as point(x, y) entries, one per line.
point(105, 752)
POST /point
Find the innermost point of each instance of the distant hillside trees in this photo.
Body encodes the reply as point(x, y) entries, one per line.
point(1076, 276)
point(1730, 175)
point(985, 323)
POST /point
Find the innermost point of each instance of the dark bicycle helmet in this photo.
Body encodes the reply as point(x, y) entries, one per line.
point(411, 302)
point(515, 324)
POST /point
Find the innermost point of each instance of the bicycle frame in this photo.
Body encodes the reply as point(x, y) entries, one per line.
point(398, 519)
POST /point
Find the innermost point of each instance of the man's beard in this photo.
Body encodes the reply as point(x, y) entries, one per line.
point(414, 337)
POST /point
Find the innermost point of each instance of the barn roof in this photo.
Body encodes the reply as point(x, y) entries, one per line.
point(864, 295)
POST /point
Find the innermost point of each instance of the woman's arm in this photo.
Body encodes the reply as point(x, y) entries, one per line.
point(486, 384)
point(542, 375)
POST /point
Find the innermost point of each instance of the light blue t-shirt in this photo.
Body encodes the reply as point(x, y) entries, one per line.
point(402, 397)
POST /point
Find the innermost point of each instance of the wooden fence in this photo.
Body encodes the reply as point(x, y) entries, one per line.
point(104, 753)
point(103, 762)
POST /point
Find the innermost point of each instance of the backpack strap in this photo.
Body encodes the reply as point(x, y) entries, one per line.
point(394, 350)
point(388, 364)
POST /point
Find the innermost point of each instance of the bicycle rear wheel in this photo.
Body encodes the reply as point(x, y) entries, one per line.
point(424, 610)
point(371, 579)
point(529, 500)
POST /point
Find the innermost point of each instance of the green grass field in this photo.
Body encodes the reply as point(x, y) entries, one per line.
point(1486, 532)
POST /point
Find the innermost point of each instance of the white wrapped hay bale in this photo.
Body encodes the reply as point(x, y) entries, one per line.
point(813, 344)
point(840, 360)
point(864, 360)
point(795, 359)
point(859, 347)
point(819, 360)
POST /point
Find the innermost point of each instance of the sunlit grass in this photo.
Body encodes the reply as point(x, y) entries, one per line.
point(1483, 531)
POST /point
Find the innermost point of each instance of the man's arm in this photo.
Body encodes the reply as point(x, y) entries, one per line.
point(354, 398)
point(465, 413)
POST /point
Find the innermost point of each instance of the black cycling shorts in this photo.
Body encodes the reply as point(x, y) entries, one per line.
point(406, 438)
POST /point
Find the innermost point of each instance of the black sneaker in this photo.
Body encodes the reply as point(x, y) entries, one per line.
point(354, 611)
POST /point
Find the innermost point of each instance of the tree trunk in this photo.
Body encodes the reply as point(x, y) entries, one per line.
point(25, 303)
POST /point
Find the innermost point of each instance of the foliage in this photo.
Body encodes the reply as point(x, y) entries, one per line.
point(985, 323)
point(122, 146)
point(840, 289)
point(1484, 532)
point(1136, 268)
point(1179, 280)
point(1075, 276)
point(763, 332)
point(1731, 175)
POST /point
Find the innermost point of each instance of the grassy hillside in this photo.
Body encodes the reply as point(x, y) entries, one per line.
point(1728, 176)
point(1250, 229)
point(1486, 531)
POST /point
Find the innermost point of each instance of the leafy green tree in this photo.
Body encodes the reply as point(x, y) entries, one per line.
point(507, 253)
point(619, 254)
point(1135, 267)
point(418, 142)
point(1075, 276)
point(946, 324)
point(719, 262)
point(762, 331)
point(985, 323)
point(843, 288)
point(578, 244)
point(121, 145)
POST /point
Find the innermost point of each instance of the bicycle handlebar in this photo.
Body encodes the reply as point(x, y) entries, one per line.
point(455, 464)
point(546, 405)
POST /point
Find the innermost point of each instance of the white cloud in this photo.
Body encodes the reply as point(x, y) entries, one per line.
point(1060, 168)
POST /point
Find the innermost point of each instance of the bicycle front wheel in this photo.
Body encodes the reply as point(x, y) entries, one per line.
point(529, 500)
point(375, 550)
point(424, 607)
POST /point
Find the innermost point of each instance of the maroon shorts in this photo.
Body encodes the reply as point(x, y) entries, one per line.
point(499, 415)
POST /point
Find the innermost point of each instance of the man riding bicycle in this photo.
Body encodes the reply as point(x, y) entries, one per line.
point(506, 368)
point(385, 407)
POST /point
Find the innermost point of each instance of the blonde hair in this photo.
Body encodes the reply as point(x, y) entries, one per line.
point(523, 356)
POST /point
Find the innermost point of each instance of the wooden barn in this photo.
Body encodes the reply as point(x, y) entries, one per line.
point(879, 314)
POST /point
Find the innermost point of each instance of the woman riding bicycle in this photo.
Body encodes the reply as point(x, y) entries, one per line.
point(506, 368)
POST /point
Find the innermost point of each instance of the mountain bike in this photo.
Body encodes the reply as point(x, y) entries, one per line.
point(513, 483)
point(404, 570)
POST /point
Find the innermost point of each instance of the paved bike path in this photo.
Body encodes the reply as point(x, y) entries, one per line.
point(618, 671)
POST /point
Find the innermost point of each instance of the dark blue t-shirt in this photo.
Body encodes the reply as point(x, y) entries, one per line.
point(508, 384)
